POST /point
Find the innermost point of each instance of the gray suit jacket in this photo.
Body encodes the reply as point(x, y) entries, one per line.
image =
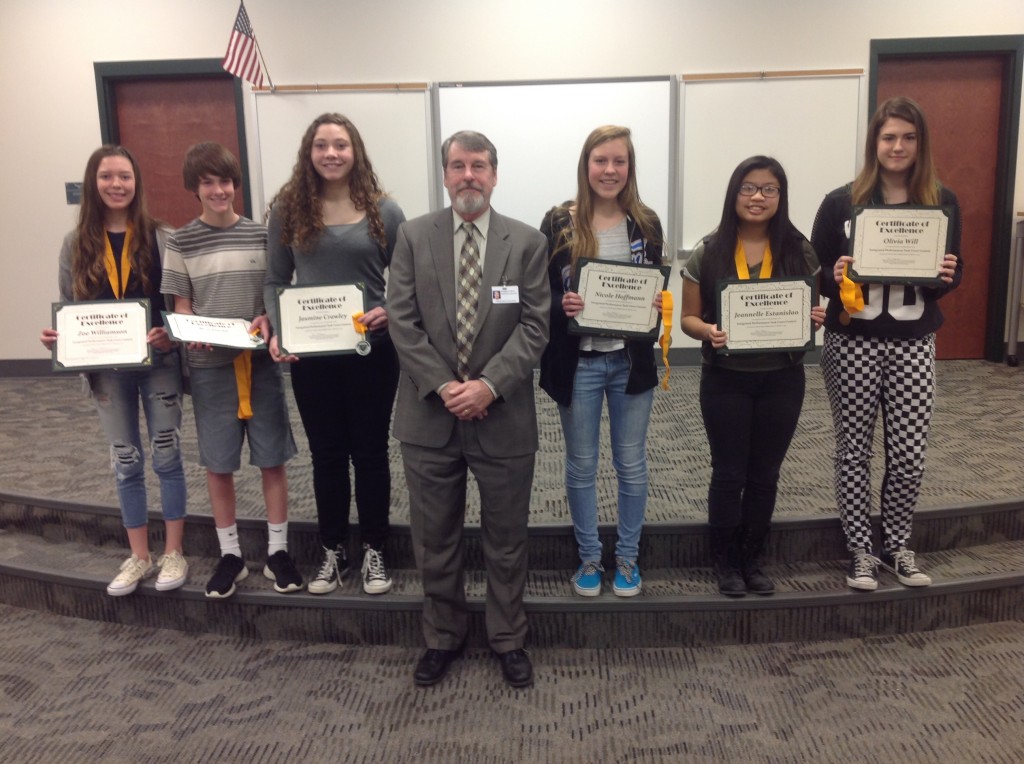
point(509, 337)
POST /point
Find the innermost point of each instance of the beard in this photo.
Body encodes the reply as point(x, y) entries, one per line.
point(469, 201)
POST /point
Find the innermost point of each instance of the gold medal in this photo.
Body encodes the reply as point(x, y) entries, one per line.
point(844, 318)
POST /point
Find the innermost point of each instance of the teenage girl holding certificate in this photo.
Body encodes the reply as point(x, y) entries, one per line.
point(750, 402)
point(879, 350)
point(332, 224)
point(115, 253)
point(608, 221)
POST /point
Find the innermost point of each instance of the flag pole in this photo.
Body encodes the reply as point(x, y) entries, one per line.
point(259, 52)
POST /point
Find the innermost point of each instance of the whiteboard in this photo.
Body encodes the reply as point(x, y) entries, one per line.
point(538, 129)
point(809, 124)
point(394, 126)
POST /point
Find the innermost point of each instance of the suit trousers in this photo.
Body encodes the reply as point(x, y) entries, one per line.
point(437, 509)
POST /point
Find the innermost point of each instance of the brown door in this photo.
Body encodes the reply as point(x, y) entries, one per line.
point(962, 98)
point(159, 119)
point(158, 109)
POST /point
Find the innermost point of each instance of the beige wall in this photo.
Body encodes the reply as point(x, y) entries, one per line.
point(51, 123)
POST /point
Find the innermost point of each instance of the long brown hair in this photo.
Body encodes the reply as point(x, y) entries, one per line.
point(299, 205)
point(88, 269)
point(579, 238)
point(923, 185)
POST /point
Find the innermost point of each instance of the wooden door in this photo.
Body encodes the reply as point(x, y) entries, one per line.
point(962, 98)
point(159, 109)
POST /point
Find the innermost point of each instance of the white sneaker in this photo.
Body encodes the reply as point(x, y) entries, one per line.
point(133, 570)
point(376, 579)
point(173, 572)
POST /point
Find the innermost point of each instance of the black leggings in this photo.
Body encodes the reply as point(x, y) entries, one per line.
point(750, 418)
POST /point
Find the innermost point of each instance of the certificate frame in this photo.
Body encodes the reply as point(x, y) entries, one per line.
point(101, 334)
point(899, 245)
point(618, 299)
point(209, 330)
point(326, 312)
point(767, 315)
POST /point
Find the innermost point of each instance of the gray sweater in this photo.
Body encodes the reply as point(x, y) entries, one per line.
point(344, 254)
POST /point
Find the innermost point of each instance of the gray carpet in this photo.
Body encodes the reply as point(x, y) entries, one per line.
point(78, 691)
point(51, 445)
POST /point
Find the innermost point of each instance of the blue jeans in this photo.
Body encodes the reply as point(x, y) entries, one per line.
point(116, 395)
point(597, 377)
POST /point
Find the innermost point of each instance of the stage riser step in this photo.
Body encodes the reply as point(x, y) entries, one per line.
point(860, 616)
point(662, 546)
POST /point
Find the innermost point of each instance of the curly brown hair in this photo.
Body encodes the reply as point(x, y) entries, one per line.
point(88, 269)
point(298, 203)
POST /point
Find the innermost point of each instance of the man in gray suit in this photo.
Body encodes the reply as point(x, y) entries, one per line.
point(468, 300)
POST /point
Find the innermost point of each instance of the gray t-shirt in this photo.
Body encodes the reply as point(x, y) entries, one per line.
point(612, 244)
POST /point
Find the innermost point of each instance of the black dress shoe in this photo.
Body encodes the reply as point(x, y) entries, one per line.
point(433, 666)
point(516, 668)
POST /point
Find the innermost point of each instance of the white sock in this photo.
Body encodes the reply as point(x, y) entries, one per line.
point(277, 538)
point(228, 540)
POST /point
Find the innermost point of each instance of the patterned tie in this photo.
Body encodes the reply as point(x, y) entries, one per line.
point(468, 294)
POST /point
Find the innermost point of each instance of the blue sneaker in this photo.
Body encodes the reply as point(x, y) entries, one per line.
point(587, 579)
point(627, 578)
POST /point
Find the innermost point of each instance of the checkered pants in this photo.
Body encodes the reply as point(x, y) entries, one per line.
point(861, 375)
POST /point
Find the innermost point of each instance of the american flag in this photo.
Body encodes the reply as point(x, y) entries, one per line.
point(243, 56)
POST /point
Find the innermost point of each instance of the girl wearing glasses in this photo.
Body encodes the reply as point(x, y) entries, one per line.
point(606, 220)
point(879, 348)
point(750, 402)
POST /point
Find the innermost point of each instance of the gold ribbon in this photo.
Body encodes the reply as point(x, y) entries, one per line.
point(741, 263)
point(359, 327)
point(243, 381)
point(666, 336)
point(851, 294)
point(126, 265)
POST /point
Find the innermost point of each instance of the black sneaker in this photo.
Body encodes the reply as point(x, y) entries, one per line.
point(901, 563)
point(281, 570)
point(230, 570)
point(863, 572)
point(376, 579)
point(333, 569)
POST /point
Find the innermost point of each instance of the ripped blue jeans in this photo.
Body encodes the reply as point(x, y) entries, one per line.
point(116, 395)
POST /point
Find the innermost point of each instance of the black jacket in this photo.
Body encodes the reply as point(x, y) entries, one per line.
point(558, 364)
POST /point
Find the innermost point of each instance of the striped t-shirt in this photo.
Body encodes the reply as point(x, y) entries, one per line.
point(220, 271)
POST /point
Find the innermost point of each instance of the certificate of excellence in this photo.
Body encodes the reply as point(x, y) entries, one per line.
point(317, 320)
point(207, 330)
point(899, 244)
point(769, 315)
point(618, 299)
point(101, 334)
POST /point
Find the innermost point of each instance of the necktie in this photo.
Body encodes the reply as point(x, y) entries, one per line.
point(468, 293)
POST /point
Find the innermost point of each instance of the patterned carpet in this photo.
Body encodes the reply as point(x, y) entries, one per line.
point(52, 445)
point(81, 692)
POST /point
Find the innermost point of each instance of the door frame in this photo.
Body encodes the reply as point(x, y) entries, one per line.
point(1012, 46)
point(108, 74)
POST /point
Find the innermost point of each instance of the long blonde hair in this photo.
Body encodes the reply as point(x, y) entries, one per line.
point(579, 238)
point(923, 185)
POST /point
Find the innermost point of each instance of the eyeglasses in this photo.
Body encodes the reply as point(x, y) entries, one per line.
point(768, 191)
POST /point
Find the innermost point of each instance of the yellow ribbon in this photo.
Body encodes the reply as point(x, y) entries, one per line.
point(850, 293)
point(666, 336)
point(361, 328)
point(741, 263)
point(126, 265)
point(243, 381)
